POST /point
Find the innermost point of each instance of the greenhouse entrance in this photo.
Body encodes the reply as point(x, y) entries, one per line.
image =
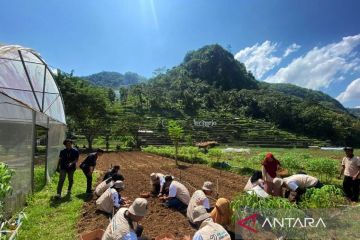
point(40, 156)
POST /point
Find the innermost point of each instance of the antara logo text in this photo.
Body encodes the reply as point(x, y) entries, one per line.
point(281, 222)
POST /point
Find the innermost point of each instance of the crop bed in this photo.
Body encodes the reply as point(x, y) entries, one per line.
point(136, 168)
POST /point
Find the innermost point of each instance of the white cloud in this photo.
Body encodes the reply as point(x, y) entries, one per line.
point(292, 48)
point(352, 92)
point(320, 66)
point(357, 107)
point(259, 59)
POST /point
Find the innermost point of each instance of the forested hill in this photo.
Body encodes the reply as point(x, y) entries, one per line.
point(208, 84)
point(211, 80)
point(305, 94)
point(114, 79)
point(355, 111)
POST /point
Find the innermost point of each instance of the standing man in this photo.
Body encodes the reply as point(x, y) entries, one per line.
point(68, 158)
point(351, 170)
point(88, 166)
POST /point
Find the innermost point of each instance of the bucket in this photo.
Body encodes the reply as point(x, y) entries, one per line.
point(94, 235)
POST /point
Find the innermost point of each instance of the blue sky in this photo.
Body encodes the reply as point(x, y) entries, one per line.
point(310, 43)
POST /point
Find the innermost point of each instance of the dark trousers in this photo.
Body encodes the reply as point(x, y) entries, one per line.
point(62, 177)
point(88, 180)
point(155, 189)
point(351, 188)
point(175, 203)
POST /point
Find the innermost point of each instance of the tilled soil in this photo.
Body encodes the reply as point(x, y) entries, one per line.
point(136, 168)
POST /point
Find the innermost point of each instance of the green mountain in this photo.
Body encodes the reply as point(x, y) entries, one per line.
point(114, 79)
point(354, 111)
point(218, 67)
point(211, 82)
point(305, 94)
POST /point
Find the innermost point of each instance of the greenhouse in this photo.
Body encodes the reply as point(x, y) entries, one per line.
point(32, 120)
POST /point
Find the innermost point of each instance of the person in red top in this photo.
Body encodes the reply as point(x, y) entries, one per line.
point(269, 167)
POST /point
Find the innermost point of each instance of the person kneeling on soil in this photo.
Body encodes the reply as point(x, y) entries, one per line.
point(200, 198)
point(297, 184)
point(157, 181)
point(111, 199)
point(112, 171)
point(254, 180)
point(179, 195)
point(104, 185)
point(207, 227)
point(122, 227)
point(222, 214)
point(88, 166)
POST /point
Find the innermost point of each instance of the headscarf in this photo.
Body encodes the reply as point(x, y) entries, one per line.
point(222, 212)
point(271, 166)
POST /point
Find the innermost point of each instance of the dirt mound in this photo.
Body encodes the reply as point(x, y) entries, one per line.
point(136, 168)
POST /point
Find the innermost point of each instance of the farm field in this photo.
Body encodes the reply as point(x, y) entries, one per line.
point(136, 168)
point(322, 164)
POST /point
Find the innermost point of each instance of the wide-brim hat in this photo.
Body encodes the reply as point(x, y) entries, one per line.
point(119, 185)
point(278, 182)
point(200, 214)
point(348, 149)
point(153, 176)
point(139, 207)
point(208, 186)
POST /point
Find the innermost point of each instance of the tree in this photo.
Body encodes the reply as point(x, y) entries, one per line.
point(176, 133)
point(86, 106)
point(124, 92)
point(128, 124)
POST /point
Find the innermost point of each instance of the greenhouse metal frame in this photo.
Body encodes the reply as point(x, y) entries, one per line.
point(29, 99)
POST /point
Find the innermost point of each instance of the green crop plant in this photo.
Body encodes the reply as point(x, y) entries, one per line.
point(292, 162)
point(324, 167)
point(269, 208)
point(326, 197)
point(216, 153)
point(5, 188)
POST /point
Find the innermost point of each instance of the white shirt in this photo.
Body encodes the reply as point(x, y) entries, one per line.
point(179, 191)
point(172, 190)
point(197, 236)
point(130, 236)
point(162, 181)
point(115, 197)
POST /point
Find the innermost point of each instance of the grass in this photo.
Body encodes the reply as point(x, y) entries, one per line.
point(48, 218)
point(39, 178)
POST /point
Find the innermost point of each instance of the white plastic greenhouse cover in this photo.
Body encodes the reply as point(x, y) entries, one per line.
point(26, 78)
